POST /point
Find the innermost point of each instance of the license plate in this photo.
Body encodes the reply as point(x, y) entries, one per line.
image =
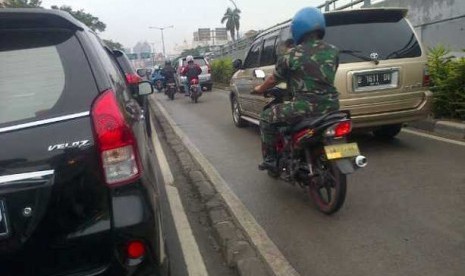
point(3, 220)
point(341, 151)
point(376, 80)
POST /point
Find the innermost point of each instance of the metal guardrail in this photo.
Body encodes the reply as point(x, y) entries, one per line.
point(235, 49)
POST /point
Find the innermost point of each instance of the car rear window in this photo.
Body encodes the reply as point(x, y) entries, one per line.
point(389, 40)
point(43, 74)
point(198, 61)
point(358, 36)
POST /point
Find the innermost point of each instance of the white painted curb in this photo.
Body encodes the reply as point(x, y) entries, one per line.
point(275, 261)
point(192, 257)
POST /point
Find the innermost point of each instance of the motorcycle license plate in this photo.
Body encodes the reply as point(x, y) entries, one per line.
point(3, 220)
point(341, 151)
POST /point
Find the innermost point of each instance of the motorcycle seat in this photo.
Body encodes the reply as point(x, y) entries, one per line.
point(312, 122)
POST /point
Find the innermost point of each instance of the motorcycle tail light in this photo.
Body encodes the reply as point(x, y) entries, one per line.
point(301, 135)
point(340, 129)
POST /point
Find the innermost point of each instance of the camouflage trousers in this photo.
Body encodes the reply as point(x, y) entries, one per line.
point(289, 113)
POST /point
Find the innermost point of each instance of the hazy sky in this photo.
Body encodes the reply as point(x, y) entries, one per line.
point(128, 21)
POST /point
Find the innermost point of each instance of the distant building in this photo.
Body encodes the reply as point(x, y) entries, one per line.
point(142, 47)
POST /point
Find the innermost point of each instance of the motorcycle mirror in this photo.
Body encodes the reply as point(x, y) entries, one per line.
point(259, 74)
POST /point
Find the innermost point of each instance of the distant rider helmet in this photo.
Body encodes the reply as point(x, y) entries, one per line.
point(305, 21)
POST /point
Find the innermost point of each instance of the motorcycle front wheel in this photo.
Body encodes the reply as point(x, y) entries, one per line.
point(328, 186)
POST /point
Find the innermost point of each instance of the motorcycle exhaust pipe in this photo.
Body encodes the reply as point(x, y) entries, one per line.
point(361, 161)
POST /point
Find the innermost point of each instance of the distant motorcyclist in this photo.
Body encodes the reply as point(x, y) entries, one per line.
point(168, 72)
point(157, 78)
point(191, 71)
point(309, 69)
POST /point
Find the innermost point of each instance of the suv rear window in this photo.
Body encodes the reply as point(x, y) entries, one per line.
point(390, 39)
point(43, 74)
point(198, 61)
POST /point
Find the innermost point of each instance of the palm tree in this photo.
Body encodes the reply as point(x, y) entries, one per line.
point(232, 17)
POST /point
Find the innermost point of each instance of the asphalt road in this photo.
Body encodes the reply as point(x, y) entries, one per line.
point(404, 213)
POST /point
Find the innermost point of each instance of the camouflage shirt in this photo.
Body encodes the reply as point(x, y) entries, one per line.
point(309, 69)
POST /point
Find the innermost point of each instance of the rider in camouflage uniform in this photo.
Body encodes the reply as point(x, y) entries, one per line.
point(309, 70)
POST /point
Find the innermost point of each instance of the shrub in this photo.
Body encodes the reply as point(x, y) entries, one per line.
point(448, 83)
point(222, 70)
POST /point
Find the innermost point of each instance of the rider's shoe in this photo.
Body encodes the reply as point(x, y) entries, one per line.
point(268, 164)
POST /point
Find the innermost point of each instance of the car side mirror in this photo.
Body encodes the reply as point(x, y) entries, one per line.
point(145, 88)
point(237, 64)
point(141, 72)
point(259, 74)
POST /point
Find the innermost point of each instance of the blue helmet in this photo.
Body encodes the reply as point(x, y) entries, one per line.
point(307, 20)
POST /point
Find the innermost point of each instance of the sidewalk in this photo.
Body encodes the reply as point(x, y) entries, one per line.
point(451, 129)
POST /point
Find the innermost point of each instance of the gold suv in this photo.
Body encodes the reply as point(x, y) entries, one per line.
point(382, 77)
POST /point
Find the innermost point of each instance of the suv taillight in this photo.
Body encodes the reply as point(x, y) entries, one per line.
point(115, 141)
point(133, 78)
point(426, 78)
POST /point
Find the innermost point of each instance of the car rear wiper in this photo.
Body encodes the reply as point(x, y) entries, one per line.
point(357, 55)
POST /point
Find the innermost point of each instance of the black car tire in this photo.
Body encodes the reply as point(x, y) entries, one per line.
point(209, 87)
point(236, 113)
point(387, 132)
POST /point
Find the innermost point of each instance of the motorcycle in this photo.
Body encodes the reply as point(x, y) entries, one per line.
point(158, 81)
point(194, 90)
point(315, 154)
point(170, 90)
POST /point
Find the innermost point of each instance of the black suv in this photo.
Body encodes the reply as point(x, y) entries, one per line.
point(78, 192)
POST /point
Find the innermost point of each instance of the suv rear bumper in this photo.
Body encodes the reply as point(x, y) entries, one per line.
point(394, 117)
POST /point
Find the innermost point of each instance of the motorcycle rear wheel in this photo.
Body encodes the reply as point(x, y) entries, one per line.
point(328, 187)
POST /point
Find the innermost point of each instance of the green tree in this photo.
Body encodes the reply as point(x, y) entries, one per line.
point(88, 19)
point(232, 18)
point(21, 4)
point(113, 44)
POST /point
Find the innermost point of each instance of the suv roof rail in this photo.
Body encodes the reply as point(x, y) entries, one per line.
point(13, 18)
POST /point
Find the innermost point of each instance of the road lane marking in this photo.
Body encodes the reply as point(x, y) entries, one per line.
point(433, 137)
point(190, 250)
point(267, 249)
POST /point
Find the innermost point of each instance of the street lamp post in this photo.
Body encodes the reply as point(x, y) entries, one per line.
point(162, 38)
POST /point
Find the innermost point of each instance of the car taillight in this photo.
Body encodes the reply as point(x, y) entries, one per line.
point(209, 68)
point(426, 78)
point(340, 129)
point(115, 141)
point(135, 249)
point(133, 78)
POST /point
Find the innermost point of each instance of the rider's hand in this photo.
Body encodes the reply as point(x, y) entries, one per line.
point(256, 90)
